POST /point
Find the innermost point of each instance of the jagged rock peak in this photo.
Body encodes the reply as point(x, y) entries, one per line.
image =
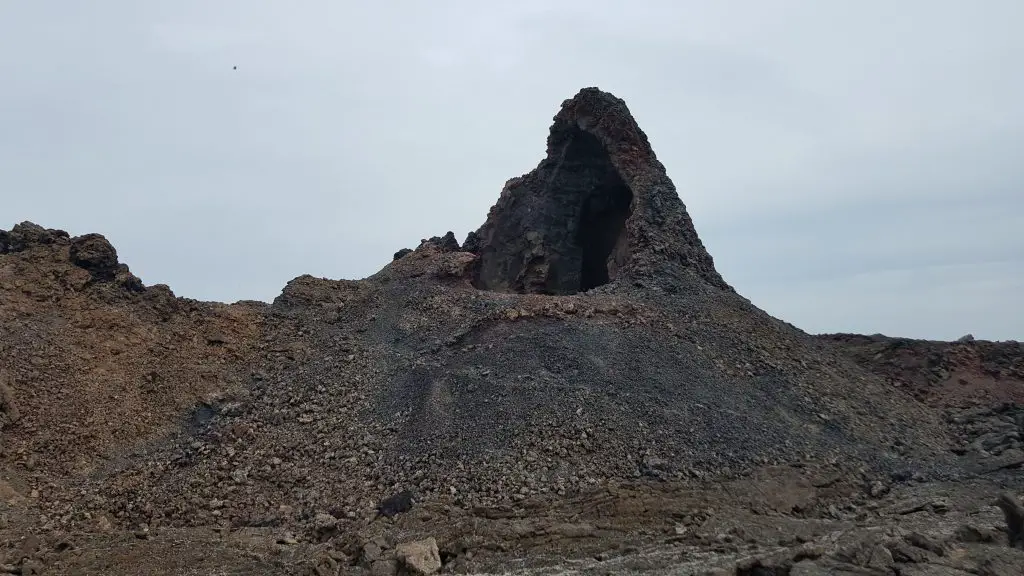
point(599, 208)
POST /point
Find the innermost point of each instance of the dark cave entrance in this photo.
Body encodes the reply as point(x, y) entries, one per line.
point(602, 220)
point(560, 229)
point(605, 206)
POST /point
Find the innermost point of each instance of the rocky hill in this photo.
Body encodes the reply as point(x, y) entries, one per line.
point(574, 388)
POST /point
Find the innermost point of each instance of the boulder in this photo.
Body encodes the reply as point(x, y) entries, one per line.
point(94, 253)
point(419, 558)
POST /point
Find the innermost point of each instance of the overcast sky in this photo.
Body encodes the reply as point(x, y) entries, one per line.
point(852, 165)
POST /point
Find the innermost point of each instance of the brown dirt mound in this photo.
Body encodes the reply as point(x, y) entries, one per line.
point(93, 362)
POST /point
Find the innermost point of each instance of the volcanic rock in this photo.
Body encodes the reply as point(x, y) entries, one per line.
point(419, 558)
point(416, 379)
point(27, 234)
point(94, 253)
point(397, 504)
point(446, 243)
point(599, 208)
point(1014, 514)
point(574, 384)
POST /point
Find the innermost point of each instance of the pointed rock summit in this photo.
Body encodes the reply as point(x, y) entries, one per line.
point(599, 208)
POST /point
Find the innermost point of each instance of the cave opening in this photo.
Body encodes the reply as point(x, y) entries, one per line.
point(602, 221)
point(560, 229)
point(605, 206)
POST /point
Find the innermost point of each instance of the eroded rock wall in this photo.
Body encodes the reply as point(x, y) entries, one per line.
point(599, 208)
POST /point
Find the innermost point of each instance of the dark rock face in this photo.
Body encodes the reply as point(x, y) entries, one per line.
point(94, 253)
point(128, 281)
point(598, 208)
point(472, 243)
point(1014, 514)
point(446, 243)
point(27, 234)
point(162, 301)
point(396, 504)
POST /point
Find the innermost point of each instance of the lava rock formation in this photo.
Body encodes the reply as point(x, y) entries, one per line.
point(600, 207)
point(574, 384)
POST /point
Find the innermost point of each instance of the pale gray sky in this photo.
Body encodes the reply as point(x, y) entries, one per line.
point(852, 165)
